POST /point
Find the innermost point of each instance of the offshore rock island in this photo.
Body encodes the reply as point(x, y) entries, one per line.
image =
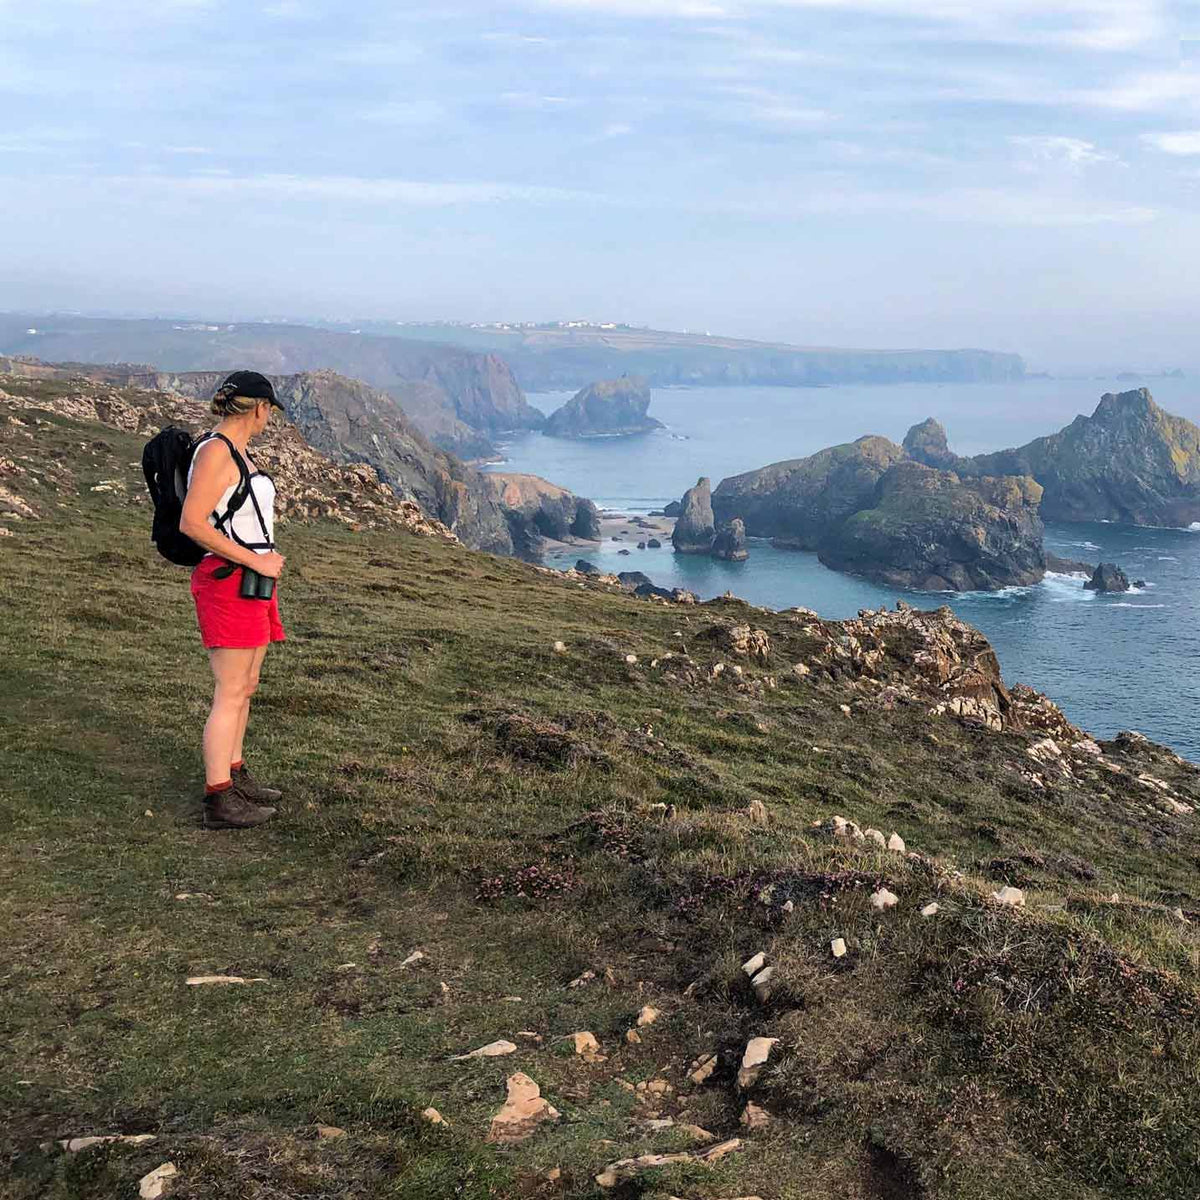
point(610, 408)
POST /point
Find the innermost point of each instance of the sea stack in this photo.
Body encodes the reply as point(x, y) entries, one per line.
point(730, 542)
point(610, 408)
point(694, 527)
point(1108, 577)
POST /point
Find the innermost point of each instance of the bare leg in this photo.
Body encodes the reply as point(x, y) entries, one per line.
point(232, 671)
point(255, 668)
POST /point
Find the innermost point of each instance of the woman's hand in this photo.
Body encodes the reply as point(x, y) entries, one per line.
point(269, 564)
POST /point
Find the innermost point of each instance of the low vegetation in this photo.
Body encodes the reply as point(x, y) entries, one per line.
point(486, 838)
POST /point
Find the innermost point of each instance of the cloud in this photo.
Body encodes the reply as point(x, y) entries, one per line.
point(348, 189)
point(1068, 151)
point(187, 150)
point(1184, 143)
point(410, 113)
point(616, 129)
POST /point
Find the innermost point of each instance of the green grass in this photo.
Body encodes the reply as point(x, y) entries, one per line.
point(1053, 1052)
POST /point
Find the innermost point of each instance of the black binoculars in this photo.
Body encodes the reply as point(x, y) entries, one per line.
point(256, 586)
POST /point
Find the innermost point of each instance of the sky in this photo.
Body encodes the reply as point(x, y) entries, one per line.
point(1008, 174)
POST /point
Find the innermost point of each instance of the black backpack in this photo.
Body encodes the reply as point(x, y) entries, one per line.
point(165, 463)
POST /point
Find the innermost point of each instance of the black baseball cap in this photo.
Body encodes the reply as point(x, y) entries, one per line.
point(249, 383)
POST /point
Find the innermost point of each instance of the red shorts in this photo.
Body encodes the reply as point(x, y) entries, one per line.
point(226, 620)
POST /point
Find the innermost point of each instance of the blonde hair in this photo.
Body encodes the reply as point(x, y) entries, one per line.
point(227, 403)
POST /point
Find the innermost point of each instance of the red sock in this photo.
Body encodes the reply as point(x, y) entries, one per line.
point(211, 789)
point(237, 766)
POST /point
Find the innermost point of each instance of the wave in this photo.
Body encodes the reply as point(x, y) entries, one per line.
point(1126, 604)
point(1167, 558)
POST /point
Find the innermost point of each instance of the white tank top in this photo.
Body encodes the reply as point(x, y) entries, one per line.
point(243, 527)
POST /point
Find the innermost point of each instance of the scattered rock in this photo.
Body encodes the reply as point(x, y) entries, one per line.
point(844, 709)
point(560, 647)
point(1010, 896)
point(491, 1050)
point(876, 835)
point(411, 961)
point(627, 1169)
point(587, 1047)
point(328, 1133)
point(703, 1067)
point(633, 1037)
point(583, 979)
point(434, 1117)
point(756, 812)
point(930, 910)
point(838, 947)
point(203, 980)
point(74, 1145)
point(896, 843)
point(754, 1117)
point(882, 900)
point(153, 1184)
point(648, 1015)
point(758, 1050)
point(762, 984)
point(631, 659)
point(752, 966)
point(523, 1111)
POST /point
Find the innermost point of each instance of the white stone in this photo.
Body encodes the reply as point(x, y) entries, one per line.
point(203, 980)
point(845, 709)
point(560, 647)
point(74, 1145)
point(648, 1015)
point(154, 1183)
point(758, 1050)
point(631, 659)
point(762, 984)
point(876, 835)
point(789, 906)
point(492, 1050)
point(752, 966)
point(434, 1117)
point(838, 947)
point(930, 910)
point(1010, 896)
point(415, 957)
point(896, 843)
point(882, 900)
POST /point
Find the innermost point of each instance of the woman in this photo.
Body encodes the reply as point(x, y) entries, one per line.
point(235, 631)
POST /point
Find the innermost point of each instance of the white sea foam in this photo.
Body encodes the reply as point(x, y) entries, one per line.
point(1167, 558)
point(1126, 604)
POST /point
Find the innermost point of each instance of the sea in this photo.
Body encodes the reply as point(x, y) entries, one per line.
point(1129, 661)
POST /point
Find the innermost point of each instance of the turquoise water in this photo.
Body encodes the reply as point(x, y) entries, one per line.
point(1112, 662)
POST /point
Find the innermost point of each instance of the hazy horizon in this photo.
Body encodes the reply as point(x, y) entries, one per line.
point(860, 173)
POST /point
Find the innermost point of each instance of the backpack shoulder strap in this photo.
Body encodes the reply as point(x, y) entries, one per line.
point(241, 492)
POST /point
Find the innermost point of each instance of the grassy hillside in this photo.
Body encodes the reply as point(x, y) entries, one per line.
point(457, 788)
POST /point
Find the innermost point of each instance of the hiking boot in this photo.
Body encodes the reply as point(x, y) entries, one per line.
point(230, 809)
point(255, 792)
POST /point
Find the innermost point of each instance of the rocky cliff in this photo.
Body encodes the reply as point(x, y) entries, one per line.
point(537, 509)
point(610, 408)
point(1130, 462)
point(795, 502)
point(926, 529)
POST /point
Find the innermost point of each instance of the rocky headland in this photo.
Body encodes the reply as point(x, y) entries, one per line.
point(350, 422)
point(1130, 462)
point(610, 408)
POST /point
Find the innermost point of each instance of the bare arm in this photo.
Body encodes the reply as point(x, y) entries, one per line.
point(213, 472)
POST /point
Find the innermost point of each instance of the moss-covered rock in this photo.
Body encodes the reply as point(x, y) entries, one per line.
point(930, 530)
